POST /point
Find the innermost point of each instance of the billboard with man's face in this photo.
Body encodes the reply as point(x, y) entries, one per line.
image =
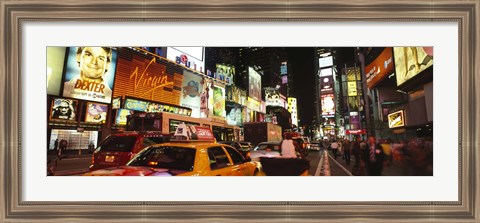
point(192, 88)
point(90, 72)
point(63, 109)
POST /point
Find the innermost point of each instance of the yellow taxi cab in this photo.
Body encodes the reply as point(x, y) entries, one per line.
point(192, 151)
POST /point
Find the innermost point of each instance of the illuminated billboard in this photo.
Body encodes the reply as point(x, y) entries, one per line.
point(326, 85)
point(328, 105)
point(191, 91)
point(379, 68)
point(63, 109)
point(274, 98)
point(116, 103)
point(292, 108)
point(121, 118)
point(235, 94)
point(147, 77)
point(326, 72)
point(352, 88)
point(255, 84)
point(146, 106)
point(225, 73)
point(325, 61)
point(217, 101)
point(234, 114)
point(410, 61)
point(283, 68)
point(190, 57)
point(396, 119)
point(55, 63)
point(90, 72)
point(96, 113)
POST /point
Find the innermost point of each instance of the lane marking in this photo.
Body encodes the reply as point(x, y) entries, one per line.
point(319, 166)
point(326, 166)
point(340, 165)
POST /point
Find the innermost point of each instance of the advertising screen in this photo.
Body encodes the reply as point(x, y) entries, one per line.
point(63, 109)
point(218, 101)
point(328, 105)
point(145, 106)
point(191, 91)
point(225, 73)
point(285, 79)
point(274, 98)
point(354, 120)
point(325, 61)
point(234, 114)
point(292, 108)
point(326, 84)
point(326, 72)
point(190, 57)
point(147, 77)
point(121, 118)
point(410, 61)
point(235, 94)
point(283, 68)
point(396, 119)
point(90, 73)
point(379, 68)
point(55, 62)
point(352, 88)
point(116, 103)
point(255, 84)
point(96, 113)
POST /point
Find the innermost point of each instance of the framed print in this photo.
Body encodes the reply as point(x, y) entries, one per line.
point(414, 28)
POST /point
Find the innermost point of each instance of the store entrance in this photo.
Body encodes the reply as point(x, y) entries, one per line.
point(77, 142)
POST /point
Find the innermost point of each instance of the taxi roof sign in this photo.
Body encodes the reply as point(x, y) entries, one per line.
point(193, 132)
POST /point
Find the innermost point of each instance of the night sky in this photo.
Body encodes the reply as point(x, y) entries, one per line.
point(302, 67)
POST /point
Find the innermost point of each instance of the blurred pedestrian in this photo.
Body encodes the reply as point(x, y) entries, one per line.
point(346, 151)
point(334, 146)
point(55, 145)
point(288, 147)
point(62, 148)
point(374, 157)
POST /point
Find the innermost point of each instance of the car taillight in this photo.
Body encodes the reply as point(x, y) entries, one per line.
point(131, 156)
point(247, 155)
point(93, 159)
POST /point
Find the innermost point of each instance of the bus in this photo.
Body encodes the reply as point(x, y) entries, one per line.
point(167, 123)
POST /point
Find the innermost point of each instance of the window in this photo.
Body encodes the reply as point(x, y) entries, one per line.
point(148, 141)
point(237, 158)
point(168, 157)
point(174, 124)
point(118, 144)
point(218, 158)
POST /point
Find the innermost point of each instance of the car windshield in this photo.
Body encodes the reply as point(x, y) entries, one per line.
point(267, 146)
point(169, 157)
point(117, 144)
point(246, 145)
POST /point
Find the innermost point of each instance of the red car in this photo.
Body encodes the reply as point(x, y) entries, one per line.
point(119, 148)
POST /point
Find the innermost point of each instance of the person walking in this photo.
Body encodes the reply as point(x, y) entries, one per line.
point(334, 147)
point(62, 148)
point(288, 147)
point(346, 151)
point(374, 157)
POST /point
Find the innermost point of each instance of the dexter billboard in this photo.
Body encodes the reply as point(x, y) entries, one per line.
point(410, 61)
point(379, 68)
point(90, 72)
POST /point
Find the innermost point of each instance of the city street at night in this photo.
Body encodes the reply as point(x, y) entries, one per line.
point(240, 111)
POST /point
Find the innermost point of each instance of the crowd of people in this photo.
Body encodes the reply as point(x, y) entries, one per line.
point(412, 157)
